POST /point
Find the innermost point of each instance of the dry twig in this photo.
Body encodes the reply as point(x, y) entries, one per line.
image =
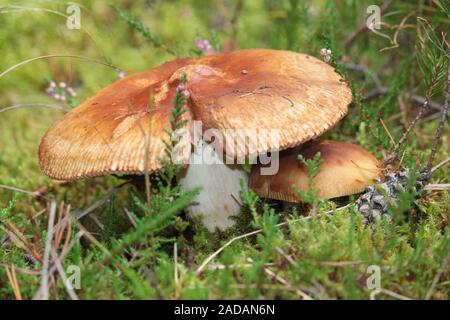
point(43, 292)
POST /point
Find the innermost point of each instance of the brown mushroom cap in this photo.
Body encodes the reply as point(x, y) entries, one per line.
point(298, 95)
point(107, 133)
point(346, 169)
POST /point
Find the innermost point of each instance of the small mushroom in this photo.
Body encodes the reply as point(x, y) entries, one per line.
point(346, 169)
point(295, 96)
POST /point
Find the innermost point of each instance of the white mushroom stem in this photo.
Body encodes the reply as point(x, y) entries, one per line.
point(219, 199)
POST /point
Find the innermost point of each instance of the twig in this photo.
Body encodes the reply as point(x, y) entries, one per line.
point(31, 193)
point(42, 292)
point(97, 222)
point(64, 278)
point(421, 100)
point(437, 277)
point(438, 166)
point(437, 186)
point(286, 256)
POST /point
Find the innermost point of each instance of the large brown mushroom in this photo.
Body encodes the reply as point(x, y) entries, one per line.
point(346, 169)
point(240, 95)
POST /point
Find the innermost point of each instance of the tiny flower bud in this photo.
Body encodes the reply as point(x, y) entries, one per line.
point(181, 86)
point(326, 54)
point(204, 46)
point(71, 92)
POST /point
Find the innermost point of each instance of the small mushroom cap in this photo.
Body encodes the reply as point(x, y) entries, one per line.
point(110, 132)
point(298, 95)
point(346, 169)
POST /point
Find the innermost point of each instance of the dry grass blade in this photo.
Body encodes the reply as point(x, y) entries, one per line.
point(217, 252)
point(340, 263)
point(24, 62)
point(387, 132)
point(130, 217)
point(11, 274)
point(393, 294)
point(27, 105)
point(175, 261)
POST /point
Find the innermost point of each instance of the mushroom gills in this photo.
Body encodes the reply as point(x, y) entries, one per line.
point(219, 199)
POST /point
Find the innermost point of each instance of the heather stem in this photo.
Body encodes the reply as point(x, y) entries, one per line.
point(442, 121)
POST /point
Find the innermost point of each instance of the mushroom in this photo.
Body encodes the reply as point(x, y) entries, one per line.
point(346, 169)
point(107, 133)
point(255, 101)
